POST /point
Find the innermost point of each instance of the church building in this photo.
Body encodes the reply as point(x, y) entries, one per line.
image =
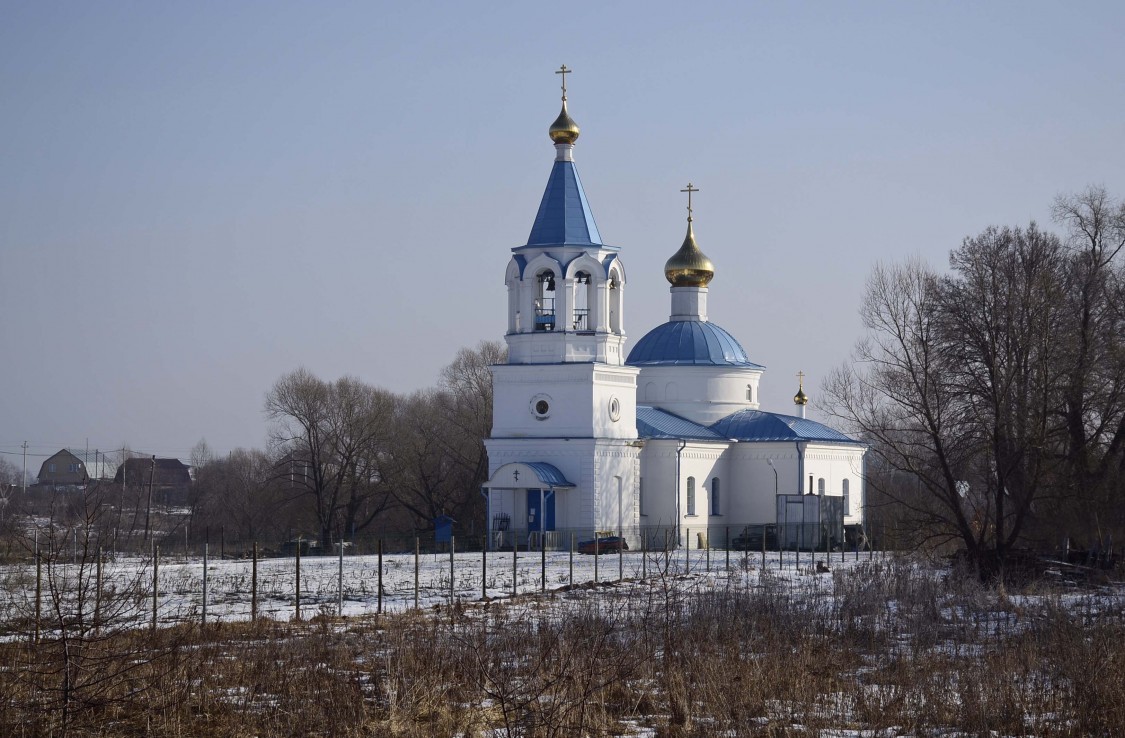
point(664, 439)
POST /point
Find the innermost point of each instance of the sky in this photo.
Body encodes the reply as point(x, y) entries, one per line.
point(197, 198)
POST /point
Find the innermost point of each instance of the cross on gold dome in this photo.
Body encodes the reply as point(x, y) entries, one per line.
point(801, 398)
point(564, 71)
point(690, 189)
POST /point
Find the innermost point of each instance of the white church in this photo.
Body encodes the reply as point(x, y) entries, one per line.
point(661, 438)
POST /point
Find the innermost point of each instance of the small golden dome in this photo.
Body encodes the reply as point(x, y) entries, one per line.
point(689, 267)
point(800, 398)
point(564, 130)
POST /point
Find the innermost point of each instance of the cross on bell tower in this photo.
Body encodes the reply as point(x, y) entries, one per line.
point(564, 71)
point(689, 189)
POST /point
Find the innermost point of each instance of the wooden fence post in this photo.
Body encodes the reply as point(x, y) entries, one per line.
point(254, 584)
point(98, 590)
point(204, 584)
point(297, 580)
point(597, 555)
point(572, 558)
point(155, 584)
point(38, 591)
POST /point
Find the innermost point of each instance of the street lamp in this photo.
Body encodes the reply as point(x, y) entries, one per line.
point(770, 462)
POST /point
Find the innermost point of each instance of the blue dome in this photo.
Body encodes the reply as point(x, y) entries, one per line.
point(689, 343)
point(756, 425)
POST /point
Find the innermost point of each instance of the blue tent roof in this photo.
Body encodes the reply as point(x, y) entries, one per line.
point(654, 423)
point(689, 342)
point(564, 216)
point(756, 425)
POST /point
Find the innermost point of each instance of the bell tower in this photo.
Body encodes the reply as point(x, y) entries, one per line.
point(565, 286)
point(565, 400)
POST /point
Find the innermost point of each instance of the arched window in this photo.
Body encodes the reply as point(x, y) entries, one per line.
point(715, 499)
point(545, 301)
point(691, 495)
point(847, 498)
point(581, 319)
point(820, 486)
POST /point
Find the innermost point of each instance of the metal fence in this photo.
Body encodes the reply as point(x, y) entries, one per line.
point(75, 579)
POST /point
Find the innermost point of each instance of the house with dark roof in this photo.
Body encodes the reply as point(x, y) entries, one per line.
point(62, 469)
point(70, 467)
point(167, 476)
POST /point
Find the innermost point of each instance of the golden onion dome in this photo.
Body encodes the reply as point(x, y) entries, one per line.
point(689, 267)
point(564, 130)
point(801, 398)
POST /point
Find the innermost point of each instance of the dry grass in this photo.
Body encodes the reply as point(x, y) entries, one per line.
point(893, 648)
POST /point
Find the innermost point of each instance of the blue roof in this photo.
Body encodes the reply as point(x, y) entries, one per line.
point(653, 423)
point(564, 216)
point(756, 425)
point(691, 343)
point(549, 474)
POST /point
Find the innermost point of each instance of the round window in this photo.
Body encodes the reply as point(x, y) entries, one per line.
point(614, 409)
point(541, 407)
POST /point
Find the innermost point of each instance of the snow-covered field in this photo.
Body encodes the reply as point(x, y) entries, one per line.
point(867, 620)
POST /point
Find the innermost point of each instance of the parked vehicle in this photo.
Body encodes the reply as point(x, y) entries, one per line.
point(603, 544)
point(750, 539)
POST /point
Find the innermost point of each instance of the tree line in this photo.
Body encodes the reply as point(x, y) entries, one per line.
point(993, 395)
point(345, 457)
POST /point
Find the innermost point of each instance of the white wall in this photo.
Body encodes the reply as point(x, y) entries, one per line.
point(834, 463)
point(591, 465)
point(578, 395)
point(703, 395)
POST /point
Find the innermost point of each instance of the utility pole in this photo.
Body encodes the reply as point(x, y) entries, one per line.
point(25, 469)
point(148, 510)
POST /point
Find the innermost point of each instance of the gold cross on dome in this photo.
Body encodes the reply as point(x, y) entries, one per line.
point(801, 379)
point(690, 189)
point(564, 71)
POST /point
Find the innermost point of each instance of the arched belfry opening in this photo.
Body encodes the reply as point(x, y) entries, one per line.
point(615, 284)
point(583, 299)
point(545, 301)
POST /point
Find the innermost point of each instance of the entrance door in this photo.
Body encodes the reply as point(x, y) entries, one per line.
point(533, 511)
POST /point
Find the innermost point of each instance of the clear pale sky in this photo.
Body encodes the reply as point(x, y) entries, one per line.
point(196, 198)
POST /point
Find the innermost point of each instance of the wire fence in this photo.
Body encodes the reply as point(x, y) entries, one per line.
point(75, 578)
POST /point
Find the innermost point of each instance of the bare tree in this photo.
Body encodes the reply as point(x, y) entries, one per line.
point(1002, 328)
point(329, 438)
point(10, 474)
point(466, 401)
point(954, 387)
point(239, 492)
point(87, 660)
point(1093, 367)
point(899, 396)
